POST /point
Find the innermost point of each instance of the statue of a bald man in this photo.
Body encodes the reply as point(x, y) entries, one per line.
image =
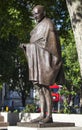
point(44, 61)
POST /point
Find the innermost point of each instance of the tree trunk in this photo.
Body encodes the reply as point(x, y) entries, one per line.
point(75, 12)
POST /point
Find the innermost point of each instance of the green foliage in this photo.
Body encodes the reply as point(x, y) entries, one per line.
point(29, 108)
point(15, 111)
point(66, 107)
point(66, 93)
point(15, 21)
point(6, 58)
point(0, 86)
point(70, 60)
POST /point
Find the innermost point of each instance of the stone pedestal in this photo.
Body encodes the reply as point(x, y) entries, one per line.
point(54, 124)
point(2, 123)
point(47, 128)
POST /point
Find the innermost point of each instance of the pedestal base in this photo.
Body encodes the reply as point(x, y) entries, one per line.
point(54, 124)
point(2, 123)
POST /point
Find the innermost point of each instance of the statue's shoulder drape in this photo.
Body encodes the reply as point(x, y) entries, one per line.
point(44, 54)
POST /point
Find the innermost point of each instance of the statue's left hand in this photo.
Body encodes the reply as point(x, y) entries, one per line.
point(22, 45)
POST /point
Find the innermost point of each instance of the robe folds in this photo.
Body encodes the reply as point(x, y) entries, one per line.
point(43, 54)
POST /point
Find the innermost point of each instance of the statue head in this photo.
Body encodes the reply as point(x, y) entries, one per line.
point(38, 13)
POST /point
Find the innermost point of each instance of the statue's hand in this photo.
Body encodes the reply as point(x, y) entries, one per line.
point(22, 45)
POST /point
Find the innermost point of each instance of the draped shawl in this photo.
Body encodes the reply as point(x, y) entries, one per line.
point(44, 54)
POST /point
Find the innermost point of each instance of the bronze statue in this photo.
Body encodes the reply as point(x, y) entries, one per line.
point(44, 60)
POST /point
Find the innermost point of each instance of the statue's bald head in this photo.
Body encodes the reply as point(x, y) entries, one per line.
point(40, 8)
point(38, 12)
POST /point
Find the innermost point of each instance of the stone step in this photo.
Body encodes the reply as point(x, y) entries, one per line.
point(1, 118)
point(4, 124)
point(50, 128)
point(3, 128)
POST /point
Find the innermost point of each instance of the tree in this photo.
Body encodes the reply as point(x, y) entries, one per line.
point(70, 60)
point(7, 52)
point(75, 12)
point(14, 28)
point(20, 81)
point(15, 19)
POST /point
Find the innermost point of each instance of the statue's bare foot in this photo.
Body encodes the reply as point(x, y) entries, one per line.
point(46, 120)
point(37, 119)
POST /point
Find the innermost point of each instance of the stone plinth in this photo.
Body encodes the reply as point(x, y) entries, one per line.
point(2, 123)
point(54, 124)
point(46, 128)
point(1, 118)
